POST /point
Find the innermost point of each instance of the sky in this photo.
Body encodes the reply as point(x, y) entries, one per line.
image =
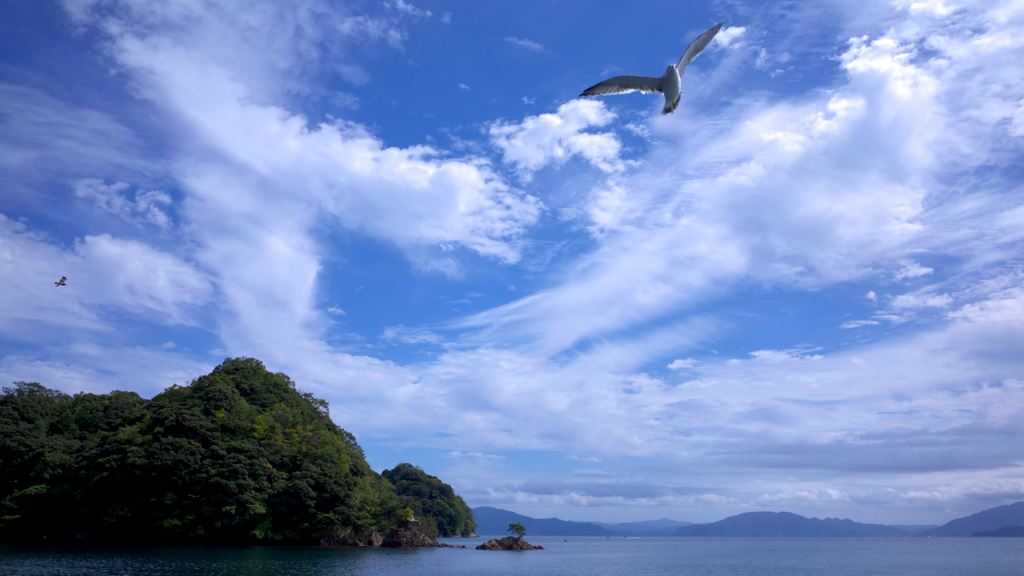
point(803, 291)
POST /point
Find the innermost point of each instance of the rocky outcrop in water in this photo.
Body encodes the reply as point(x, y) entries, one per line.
point(508, 543)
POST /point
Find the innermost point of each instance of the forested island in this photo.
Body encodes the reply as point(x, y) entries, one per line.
point(238, 456)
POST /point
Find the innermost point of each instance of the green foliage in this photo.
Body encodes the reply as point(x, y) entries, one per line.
point(237, 456)
point(518, 529)
point(439, 510)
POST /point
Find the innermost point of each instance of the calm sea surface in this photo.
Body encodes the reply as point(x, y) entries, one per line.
point(569, 556)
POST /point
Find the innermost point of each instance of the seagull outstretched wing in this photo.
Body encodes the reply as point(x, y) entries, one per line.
point(623, 84)
point(668, 84)
point(696, 47)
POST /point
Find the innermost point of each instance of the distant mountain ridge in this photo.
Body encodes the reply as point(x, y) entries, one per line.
point(494, 521)
point(762, 524)
point(985, 521)
point(661, 527)
point(1004, 532)
point(999, 521)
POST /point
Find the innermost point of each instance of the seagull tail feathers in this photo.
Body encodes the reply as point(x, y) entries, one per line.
point(670, 107)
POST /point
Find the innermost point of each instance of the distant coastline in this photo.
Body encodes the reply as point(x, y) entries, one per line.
point(1001, 520)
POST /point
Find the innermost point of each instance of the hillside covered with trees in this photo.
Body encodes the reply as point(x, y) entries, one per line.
point(237, 456)
point(440, 510)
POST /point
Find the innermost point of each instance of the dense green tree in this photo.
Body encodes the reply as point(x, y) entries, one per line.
point(438, 509)
point(239, 455)
point(518, 529)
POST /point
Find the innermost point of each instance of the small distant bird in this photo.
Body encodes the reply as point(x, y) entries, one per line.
point(61, 282)
point(668, 84)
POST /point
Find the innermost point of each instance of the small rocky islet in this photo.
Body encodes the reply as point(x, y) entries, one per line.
point(508, 543)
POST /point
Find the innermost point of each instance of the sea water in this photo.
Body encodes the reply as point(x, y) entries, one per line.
point(561, 556)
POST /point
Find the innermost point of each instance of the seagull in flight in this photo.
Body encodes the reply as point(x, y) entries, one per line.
point(668, 84)
point(62, 282)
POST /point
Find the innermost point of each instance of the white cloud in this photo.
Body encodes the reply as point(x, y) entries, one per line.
point(1017, 123)
point(712, 499)
point(137, 276)
point(857, 324)
point(679, 364)
point(1001, 306)
point(911, 301)
point(409, 9)
point(815, 495)
point(648, 497)
point(457, 454)
point(613, 209)
point(524, 43)
point(554, 138)
point(103, 273)
point(405, 196)
point(800, 409)
point(912, 270)
point(282, 175)
point(109, 198)
point(366, 28)
point(87, 367)
point(730, 36)
point(784, 355)
point(761, 63)
point(591, 473)
point(406, 335)
point(639, 129)
point(935, 7)
point(1011, 488)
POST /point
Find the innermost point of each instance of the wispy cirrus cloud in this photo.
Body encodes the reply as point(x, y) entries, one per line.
point(42, 136)
point(858, 324)
point(409, 9)
point(146, 205)
point(404, 335)
point(525, 43)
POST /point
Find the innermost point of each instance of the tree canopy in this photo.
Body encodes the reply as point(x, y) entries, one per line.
point(237, 456)
point(440, 511)
point(518, 529)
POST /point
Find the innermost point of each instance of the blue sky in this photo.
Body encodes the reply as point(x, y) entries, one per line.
point(801, 291)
